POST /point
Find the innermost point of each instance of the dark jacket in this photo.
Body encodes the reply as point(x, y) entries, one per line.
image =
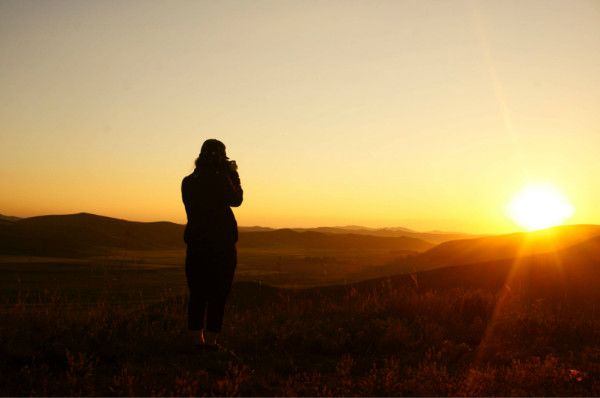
point(208, 193)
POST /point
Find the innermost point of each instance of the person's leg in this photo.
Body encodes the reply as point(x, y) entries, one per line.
point(196, 311)
point(214, 318)
point(197, 299)
point(215, 310)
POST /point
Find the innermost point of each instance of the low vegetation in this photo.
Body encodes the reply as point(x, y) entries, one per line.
point(376, 338)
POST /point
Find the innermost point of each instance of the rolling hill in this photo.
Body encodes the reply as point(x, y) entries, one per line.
point(505, 247)
point(571, 273)
point(7, 219)
point(83, 234)
point(290, 239)
point(87, 234)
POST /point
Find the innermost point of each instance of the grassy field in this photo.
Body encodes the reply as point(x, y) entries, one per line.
point(117, 327)
point(152, 274)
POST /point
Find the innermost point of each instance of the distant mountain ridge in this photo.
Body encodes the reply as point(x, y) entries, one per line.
point(85, 234)
point(433, 236)
point(430, 236)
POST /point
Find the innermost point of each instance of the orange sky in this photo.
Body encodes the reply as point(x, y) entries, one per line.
point(429, 115)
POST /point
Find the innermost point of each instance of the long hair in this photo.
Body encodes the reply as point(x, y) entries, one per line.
point(211, 153)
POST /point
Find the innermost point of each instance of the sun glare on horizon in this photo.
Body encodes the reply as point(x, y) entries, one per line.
point(539, 206)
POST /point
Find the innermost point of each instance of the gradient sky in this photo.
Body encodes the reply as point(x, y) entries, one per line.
point(423, 114)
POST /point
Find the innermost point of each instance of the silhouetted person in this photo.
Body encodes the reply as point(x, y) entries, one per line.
point(210, 235)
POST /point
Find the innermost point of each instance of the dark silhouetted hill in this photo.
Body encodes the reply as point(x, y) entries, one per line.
point(503, 247)
point(571, 273)
point(85, 234)
point(290, 239)
point(7, 219)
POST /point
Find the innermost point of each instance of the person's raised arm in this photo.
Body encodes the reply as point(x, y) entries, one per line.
point(232, 190)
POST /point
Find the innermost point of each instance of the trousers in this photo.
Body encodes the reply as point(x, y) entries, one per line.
point(209, 271)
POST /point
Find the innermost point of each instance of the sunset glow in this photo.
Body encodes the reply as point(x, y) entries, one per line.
point(425, 115)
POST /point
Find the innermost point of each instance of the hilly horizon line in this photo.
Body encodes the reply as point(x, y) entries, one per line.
point(256, 228)
point(320, 229)
point(85, 234)
point(435, 238)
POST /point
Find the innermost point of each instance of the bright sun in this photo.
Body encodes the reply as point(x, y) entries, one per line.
point(539, 206)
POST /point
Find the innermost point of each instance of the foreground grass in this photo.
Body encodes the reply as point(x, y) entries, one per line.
point(373, 339)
